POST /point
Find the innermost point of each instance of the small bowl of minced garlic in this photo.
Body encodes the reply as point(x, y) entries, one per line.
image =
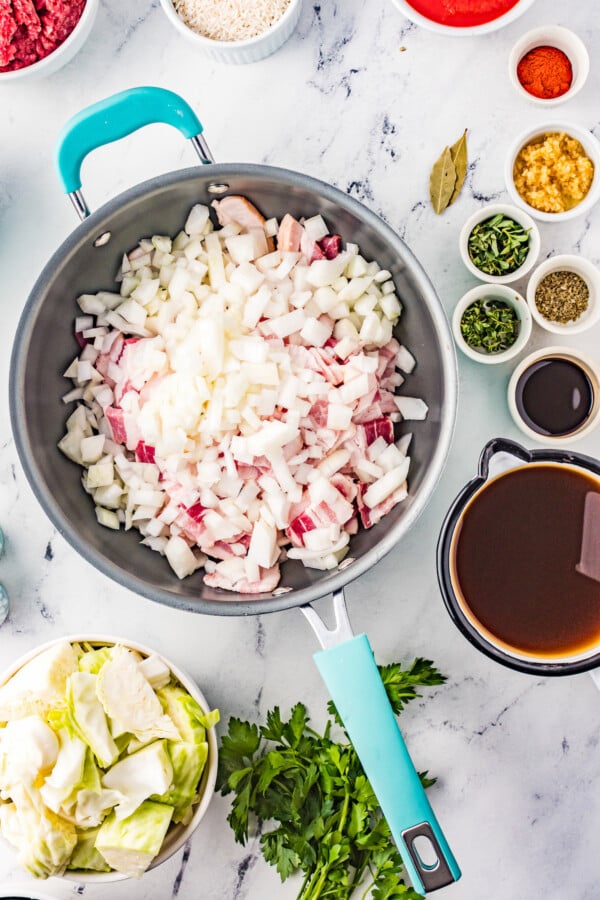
point(553, 171)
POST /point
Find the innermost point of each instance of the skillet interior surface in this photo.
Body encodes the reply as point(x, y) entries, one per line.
point(45, 346)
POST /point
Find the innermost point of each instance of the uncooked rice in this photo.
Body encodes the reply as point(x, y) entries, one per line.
point(230, 20)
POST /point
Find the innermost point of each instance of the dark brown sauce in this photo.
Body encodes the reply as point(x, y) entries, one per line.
point(515, 554)
point(554, 396)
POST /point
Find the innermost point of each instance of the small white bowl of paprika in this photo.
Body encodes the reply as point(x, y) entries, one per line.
point(549, 65)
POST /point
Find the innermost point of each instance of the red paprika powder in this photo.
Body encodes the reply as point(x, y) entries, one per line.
point(545, 72)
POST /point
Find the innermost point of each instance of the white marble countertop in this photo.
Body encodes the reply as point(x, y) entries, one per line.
point(516, 756)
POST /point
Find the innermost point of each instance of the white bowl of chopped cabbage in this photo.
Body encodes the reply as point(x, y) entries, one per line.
point(108, 758)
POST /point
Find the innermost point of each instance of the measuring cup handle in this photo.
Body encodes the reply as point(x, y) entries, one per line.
point(114, 118)
point(500, 445)
point(352, 678)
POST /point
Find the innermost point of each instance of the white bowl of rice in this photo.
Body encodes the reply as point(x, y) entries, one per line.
point(234, 31)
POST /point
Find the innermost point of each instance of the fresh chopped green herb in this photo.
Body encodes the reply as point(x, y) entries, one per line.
point(499, 245)
point(490, 325)
point(328, 823)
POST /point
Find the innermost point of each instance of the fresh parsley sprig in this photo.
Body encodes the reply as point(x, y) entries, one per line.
point(327, 821)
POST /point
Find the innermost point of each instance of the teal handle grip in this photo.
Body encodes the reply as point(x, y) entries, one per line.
point(351, 675)
point(114, 118)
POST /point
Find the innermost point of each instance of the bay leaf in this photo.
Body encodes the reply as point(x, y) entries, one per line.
point(442, 181)
point(458, 151)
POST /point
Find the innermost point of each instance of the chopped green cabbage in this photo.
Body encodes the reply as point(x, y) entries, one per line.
point(129, 700)
point(129, 845)
point(149, 771)
point(93, 660)
point(99, 754)
point(188, 761)
point(89, 717)
point(44, 840)
point(85, 856)
point(39, 685)
point(189, 717)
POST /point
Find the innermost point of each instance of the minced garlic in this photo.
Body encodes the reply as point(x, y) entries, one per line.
point(553, 173)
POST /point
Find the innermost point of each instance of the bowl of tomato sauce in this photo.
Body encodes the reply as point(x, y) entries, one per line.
point(462, 17)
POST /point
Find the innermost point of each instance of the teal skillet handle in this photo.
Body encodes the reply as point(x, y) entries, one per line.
point(351, 675)
point(114, 118)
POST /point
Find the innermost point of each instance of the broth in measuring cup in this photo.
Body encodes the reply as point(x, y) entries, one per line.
point(525, 561)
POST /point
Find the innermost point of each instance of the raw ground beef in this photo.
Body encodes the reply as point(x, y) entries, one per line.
point(32, 29)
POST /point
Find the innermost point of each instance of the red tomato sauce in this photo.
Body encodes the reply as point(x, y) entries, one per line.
point(462, 13)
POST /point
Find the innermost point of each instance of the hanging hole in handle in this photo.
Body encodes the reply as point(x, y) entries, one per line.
point(217, 188)
point(429, 858)
point(425, 853)
point(103, 239)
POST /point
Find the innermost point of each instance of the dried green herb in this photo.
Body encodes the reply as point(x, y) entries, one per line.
point(458, 151)
point(490, 325)
point(442, 181)
point(562, 296)
point(498, 245)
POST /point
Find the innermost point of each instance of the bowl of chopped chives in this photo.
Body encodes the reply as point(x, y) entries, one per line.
point(491, 323)
point(564, 294)
point(233, 31)
point(499, 243)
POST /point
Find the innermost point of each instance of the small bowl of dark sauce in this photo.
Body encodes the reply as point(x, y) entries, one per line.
point(554, 395)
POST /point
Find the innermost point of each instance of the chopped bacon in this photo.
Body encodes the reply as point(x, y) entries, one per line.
point(121, 390)
point(196, 512)
point(289, 234)
point(239, 210)
point(344, 485)
point(383, 427)
point(101, 365)
point(269, 579)
point(371, 516)
point(145, 453)
point(116, 420)
point(80, 339)
point(298, 526)
point(387, 403)
point(317, 253)
point(324, 364)
point(247, 473)
point(331, 245)
point(116, 348)
point(318, 413)
point(194, 530)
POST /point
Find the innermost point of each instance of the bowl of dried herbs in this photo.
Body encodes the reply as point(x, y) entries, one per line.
point(499, 243)
point(491, 324)
point(563, 294)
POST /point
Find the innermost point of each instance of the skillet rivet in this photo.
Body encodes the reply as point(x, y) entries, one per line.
point(217, 188)
point(102, 239)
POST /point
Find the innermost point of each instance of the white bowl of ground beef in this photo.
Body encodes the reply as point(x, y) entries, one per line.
point(37, 39)
point(234, 31)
